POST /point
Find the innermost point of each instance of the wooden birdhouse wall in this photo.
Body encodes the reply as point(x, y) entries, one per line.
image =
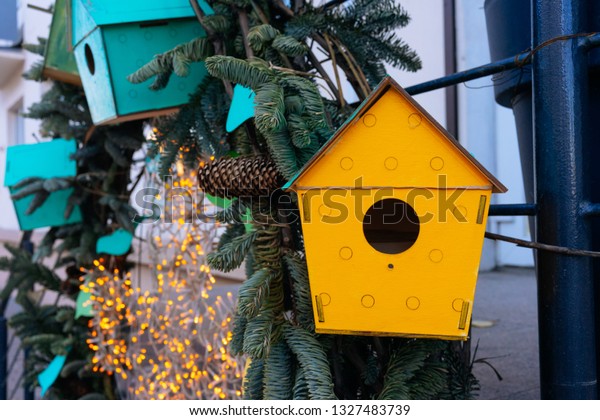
point(393, 216)
point(42, 160)
point(59, 59)
point(113, 40)
point(393, 144)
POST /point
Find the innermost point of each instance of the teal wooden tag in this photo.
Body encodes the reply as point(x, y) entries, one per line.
point(117, 243)
point(242, 107)
point(50, 374)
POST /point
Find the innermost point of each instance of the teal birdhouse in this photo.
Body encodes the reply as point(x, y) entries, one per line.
point(59, 60)
point(114, 38)
point(43, 160)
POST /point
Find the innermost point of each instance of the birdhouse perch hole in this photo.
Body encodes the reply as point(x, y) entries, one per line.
point(391, 226)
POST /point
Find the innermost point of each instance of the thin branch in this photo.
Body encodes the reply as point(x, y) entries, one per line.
point(354, 67)
point(245, 27)
point(259, 12)
point(335, 71)
point(296, 72)
point(333, 3)
point(283, 8)
point(543, 247)
point(217, 44)
point(315, 61)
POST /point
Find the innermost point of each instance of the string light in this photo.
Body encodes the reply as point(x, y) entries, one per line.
point(170, 342)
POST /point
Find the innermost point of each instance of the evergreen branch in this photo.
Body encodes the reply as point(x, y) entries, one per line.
point(38, 200)
point(239, 330)
point(32, 187)
point(300, 290)
point(278, 381)
point(270, 108)
point(259, 37)
point(259, 334)
point(254, 292)
point(175, 60)
point(405, 364)
point(289, 46)
point(253, 387)
point(238, 71)
point(313, 360)
point(300, 390)
point(232, 254)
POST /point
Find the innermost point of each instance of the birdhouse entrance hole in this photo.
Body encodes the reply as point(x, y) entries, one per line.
point(391, 226)
point(89, 59)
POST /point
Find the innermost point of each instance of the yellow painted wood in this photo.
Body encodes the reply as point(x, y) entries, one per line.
point(392, 149)
point(393, 144)
point(438, 273)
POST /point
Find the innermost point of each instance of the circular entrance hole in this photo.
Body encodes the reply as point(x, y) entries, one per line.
point(89, 59)
point(391, 226)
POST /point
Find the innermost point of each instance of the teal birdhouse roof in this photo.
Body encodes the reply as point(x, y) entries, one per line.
point(88, 14)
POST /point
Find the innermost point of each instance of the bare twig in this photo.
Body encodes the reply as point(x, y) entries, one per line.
point(335, 71)
point(245, 27)
point(315, 61)
point(259, 12)
point(217, 43)
point(283, 8)
point(354, 67)
point(543, 247)
point(296, 72)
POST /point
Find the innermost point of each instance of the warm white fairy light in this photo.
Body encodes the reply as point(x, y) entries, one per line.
point(172, 342)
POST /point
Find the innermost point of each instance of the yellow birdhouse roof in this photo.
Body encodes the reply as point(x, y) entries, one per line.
point(476, 170)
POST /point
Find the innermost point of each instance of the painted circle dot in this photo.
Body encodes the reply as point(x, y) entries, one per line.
point(139, 62)
point(391, 163)
point(457, 304)
point(122, 38)
point(369, 120)
point(346, 163)
point(413, 303)
point(133, 93)
point(367, 301)
point(436, 255)
point(346, 253)
point(324, 210)
point(325, 299)
point(391, 266)
point(437, 163)
point(414, 120)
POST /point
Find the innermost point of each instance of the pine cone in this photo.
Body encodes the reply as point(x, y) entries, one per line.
point(240, 177)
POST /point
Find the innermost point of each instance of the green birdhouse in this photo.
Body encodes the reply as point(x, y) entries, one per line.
point(114, 38)
point(43, 160)
point(59, 59)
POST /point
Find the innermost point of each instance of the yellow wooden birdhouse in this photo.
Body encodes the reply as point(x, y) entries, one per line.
point(393, 213)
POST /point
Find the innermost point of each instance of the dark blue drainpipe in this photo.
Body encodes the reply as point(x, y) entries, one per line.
point(567, 327)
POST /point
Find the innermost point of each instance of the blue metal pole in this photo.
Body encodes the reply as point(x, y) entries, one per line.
point(565, 283)
point(471, 74)
point(524, 209)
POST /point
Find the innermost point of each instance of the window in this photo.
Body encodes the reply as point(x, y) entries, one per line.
point(391, 226)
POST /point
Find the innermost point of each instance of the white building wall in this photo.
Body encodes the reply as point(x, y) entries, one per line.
point(36, 24)
point(488, 131)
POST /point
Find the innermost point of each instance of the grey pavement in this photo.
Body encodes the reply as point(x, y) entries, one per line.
point(505, 327)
